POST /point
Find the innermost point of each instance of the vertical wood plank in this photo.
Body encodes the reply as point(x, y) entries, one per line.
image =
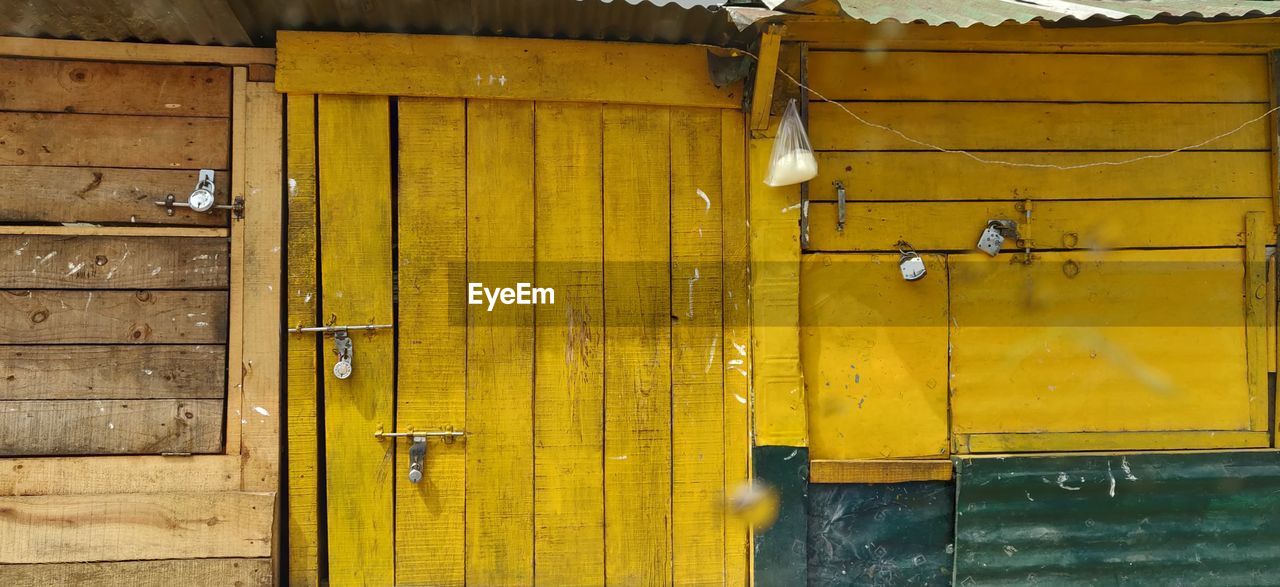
point(697, 374)
point(500, 248)
point(302, 301)
point(736, 348)
point(569, 355)
point(260, 437)
point(235, 329)
point(431, 380)
point(637, 345)
point(1257, 232)
point(355, 265)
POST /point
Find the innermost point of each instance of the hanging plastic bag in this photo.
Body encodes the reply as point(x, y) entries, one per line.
point(792, 160)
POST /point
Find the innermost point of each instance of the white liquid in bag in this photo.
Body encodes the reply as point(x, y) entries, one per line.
point(794, 166)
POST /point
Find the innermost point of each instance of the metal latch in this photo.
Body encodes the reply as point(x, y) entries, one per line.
point(342, 344)
point(840, 200)
point(202, 198)
point(994, 235)
point(418, 448)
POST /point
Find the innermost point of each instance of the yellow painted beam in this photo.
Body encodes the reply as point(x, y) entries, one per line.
point(766, 73)
point(1258, 230)
point(879, 471)
point(498, 68)
point(1110, 441)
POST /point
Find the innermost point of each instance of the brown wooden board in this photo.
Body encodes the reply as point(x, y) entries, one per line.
point(118, 474)
point(101, 87)
point(103, 140)
point(62, 316)
point(109, 262)
point(102, 195)
point(242, 572)
point(86, 427)
point(112, 372)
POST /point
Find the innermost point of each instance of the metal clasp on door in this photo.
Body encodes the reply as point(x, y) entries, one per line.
point(342, 344)
point(418, 448)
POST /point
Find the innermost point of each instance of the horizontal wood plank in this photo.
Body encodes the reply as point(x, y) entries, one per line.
point(1109, 441)
point(1012, 126)
point(68, 317)
point(1094, 225)
point(95, 230)
point(241, 572)
point(108, 262)
point(140, 526)
point(879, 75)
point(879, 471)
point(112, 372)
point(503, 68)
point(118, 474)
point(101, 87)
point(902, 176)
point(103, 140)
point(103, 195)
point(89, 427)
point(144, 52)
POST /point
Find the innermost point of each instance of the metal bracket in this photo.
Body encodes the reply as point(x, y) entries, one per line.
point(840, 201)
point(202, 198)
point(418, 446)
point(343, 346)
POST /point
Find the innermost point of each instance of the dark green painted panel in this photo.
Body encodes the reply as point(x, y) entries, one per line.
point(1142, 519)
point(881, 534)
point(780, 550)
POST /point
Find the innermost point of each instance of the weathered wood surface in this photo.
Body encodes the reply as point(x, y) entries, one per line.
point(84, 262)
point(241, 572)
point(102, 195)
point(65, 316)
point(103, 87)
point(118, 474)
point(112, 372)
point(101, 140)
point(140, 526)
point(86, 427)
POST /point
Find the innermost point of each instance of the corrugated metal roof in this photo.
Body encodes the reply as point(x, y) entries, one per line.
point(1143, 519)
point(966, 13)
point(254, 22)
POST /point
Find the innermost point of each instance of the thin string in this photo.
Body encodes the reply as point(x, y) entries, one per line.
point(988, 161)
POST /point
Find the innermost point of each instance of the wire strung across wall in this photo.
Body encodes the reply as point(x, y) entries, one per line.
point(989, 161)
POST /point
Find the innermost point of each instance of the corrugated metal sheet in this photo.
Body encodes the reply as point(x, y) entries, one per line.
point(881, 534)
point(994, 12)
point(254, 22)
point(1148, 519)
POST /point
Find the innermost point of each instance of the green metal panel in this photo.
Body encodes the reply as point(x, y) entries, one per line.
point(780, 550)
point(1139, 519)
point(881, 534)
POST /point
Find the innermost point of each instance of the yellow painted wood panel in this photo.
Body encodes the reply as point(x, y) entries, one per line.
point(637, 481)
point(355, 264)
point(302, 309)
point(899, 176)
point(1258, 230)
point(500, 253)
point(502, 68)
point(1087, 225)
point(1118, 341)
point(736, 347)
point(431, 380)
point(1016, 126)
point(879, 75)
point(779, 405)
point(568, 408)
point(874, 350)
point(879, 471)
point(697, 374)
point(1104, 441)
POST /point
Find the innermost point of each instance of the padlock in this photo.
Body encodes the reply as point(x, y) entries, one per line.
point(994, 235)
point(911, 264)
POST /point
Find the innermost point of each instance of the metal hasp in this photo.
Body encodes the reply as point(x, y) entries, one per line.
point(418, 446)
point(840, 200)
point(342, 344)
point(202, 199)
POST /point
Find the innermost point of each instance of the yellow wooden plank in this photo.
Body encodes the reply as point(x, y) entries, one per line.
point(264, 215)
point(1119, 341)
point(148, 52)
point(502, 68)
point(878, 471)
point(736, 347)
point(119, 474)
point(873, 346)
point(1107, 441)
point(989, 126)
point(766, 72)
point(901, 176)
point(697, 372)
point(235, 306)
point(500, 253)
point(1086, 225)
point(431, 382)
point(637, 480)
point(775, 318)
point(569, 399)
point(302, 304)
point(355, 261)
point(879, 75)
point(1258, 230)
